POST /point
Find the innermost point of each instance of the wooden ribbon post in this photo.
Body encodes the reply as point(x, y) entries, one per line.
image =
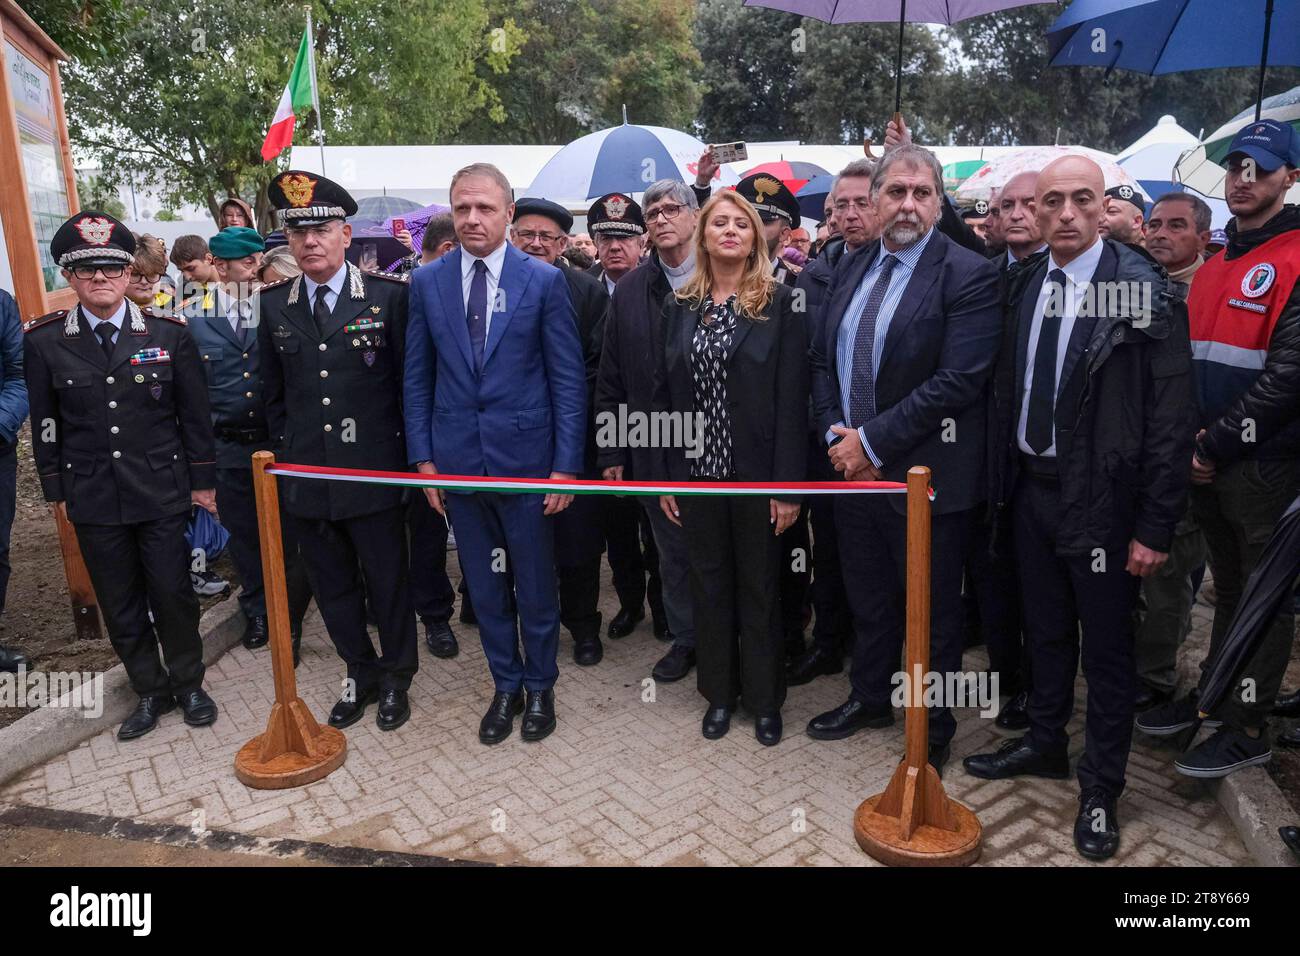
point(914, 823)
point(294, 750)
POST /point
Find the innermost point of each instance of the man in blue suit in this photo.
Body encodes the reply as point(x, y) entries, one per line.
point(911, 332)
point(495, 385)
point(13, 409)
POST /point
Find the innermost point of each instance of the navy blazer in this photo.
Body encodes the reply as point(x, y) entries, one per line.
point(13, 387)
point(937, 357)
point(234, 382)
point(524, 415)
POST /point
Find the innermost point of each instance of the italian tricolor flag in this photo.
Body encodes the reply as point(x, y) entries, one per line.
point(296, 96)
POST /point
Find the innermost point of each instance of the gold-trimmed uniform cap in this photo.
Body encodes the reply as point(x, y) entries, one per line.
point(770, 197)
point(92, 238)
point(615, 214)
point(308, 199)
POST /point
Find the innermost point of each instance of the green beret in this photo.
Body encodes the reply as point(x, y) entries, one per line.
point(235, 242)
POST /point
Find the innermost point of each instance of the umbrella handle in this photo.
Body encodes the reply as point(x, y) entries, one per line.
point(866, 140)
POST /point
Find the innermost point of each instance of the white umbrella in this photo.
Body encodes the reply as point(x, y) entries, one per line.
point(1200, 170)
point(625, 158)
point(1033, 159)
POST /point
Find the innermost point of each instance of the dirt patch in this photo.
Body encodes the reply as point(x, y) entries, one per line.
point(38, 616)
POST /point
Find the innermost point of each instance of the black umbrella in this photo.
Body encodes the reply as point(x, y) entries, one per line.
point(1270, 585)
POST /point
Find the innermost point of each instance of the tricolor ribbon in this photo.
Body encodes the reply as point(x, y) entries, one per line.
point(771, 489)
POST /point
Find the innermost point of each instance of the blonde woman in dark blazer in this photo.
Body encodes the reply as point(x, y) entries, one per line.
point(735, 360)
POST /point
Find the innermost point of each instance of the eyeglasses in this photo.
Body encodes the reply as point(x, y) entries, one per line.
point(144, 277)
point(861, 204)
point(528, 235)
point(88, 272)
point(668, 210)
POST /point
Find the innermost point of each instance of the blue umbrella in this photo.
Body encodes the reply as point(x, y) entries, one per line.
point(625, 158)
point(1174, 36)
point(812, 197)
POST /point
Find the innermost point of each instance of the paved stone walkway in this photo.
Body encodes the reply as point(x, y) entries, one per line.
point(626, 777)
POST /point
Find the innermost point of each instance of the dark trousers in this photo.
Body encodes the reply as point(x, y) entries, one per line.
point(796, 575)
point(353, 561)
point(580, 598)
point(832, 621)
point(432, 595)
point(1238, 512)
point(1059, 597)
point(873, 556)
point(136, 568)
point(734, 560)
point(992, 604)
point(490, 526)
point(238, 506)
point(579, 543)
point(632, 554)
point(8, 496)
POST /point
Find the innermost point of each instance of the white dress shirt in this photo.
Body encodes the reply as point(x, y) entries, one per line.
point(334, 285)
point(494, 260)
point(115, 320)
point(1077, 276)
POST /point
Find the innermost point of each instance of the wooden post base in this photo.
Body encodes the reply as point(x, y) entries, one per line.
point(294, 751)
point(914, 823)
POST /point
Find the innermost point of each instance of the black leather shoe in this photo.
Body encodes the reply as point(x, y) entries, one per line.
point(348, 712)
point(1148, 697)
point(588, 651)
point(624, 622)
point(1289, 738)
point(539, 715)
point(440, 639)
point(939, 757)
point(1016, 758)
point(815, 662)
point(1015, 715)
point(499, 721)
point(767, 730)
point(255, 633)
point(200, 709)
point(145, 717)
point(394, 710)
point(1096, 829)
point(1291, 837)
point(1286, 705)
point(717, 721)
point(11, 660)
point(847, 719)
point(674, 665)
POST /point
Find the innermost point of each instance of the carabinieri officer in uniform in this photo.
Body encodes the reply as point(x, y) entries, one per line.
point(226, 336)
point(332, 342)
point(122, 440)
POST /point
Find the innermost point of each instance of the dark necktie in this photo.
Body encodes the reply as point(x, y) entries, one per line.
point(862, 384)
point(1040, 426)
point(321, 312)
point(105, 332)
point(476, 312)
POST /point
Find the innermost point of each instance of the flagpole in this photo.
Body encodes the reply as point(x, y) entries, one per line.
point(315, 90)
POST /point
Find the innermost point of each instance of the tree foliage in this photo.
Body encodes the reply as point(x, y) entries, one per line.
point(579, 62)
point(188, 90)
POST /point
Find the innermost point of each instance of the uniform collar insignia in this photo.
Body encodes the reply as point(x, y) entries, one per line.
point(294, 288)
point(356, 284)
point(137, 319)
point(70, 327)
